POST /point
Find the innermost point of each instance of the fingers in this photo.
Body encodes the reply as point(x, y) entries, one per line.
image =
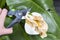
point(8, 31)
point(3, 30)
point(3, 15)
point(0, 10)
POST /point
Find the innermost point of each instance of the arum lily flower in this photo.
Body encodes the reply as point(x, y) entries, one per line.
point(35, 25)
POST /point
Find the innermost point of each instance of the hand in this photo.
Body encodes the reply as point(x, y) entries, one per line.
point(4, 30)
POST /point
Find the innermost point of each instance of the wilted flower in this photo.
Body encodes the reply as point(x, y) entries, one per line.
point(35, 24)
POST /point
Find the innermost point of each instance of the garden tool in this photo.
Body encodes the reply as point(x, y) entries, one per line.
point(18, 14)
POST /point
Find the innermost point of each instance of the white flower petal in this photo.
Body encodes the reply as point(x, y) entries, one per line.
point(30, 30)
point(35, 24)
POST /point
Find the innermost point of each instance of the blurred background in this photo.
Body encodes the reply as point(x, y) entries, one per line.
point(57, 6)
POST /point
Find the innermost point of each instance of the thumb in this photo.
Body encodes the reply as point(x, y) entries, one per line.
point(8, 31)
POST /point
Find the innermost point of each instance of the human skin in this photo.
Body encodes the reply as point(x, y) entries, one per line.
point(3, 30)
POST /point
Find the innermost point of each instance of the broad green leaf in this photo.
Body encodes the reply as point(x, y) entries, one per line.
point(4, 38)
point(44, 7)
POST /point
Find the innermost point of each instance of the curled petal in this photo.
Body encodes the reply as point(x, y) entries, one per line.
point(37, 24)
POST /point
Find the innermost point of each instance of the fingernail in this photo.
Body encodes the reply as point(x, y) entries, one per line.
point(0, 8)
point(4, 10)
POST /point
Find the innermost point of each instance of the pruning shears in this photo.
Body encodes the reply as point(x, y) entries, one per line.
point(18, 14)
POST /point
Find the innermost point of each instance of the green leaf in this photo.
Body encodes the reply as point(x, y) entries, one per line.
point(44, 7)
point(2, 3)
point(4, 38)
